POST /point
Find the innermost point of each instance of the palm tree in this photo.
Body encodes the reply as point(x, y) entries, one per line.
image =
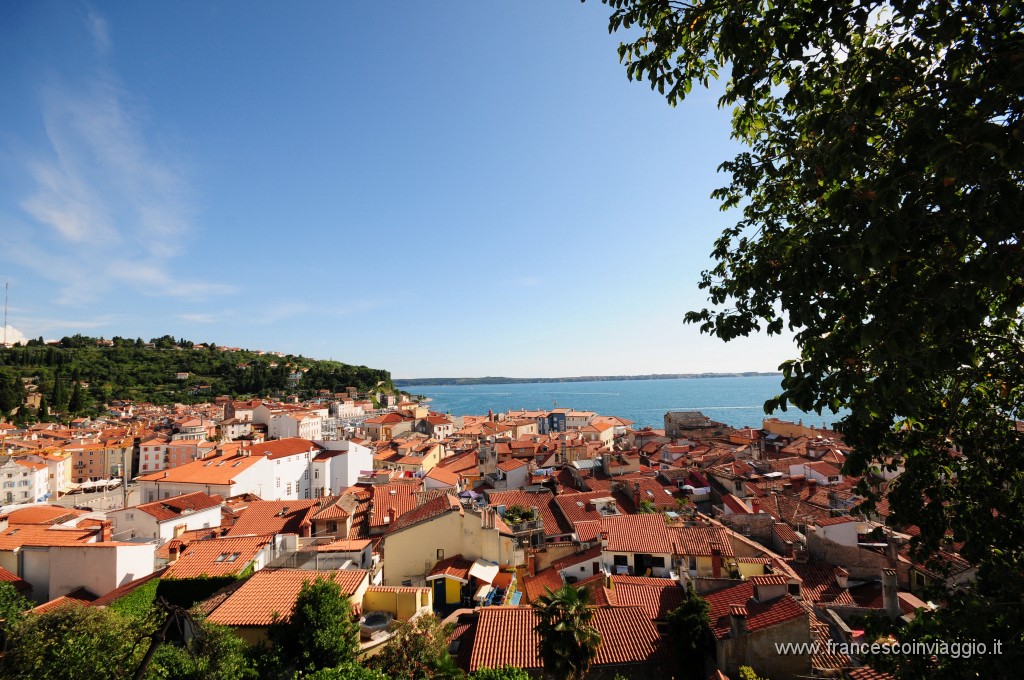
point(568, 642)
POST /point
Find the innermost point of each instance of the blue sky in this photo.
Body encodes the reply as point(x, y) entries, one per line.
point(437, 189)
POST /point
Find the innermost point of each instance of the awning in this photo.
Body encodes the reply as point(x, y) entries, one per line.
point(482, 593)
point(485, 571)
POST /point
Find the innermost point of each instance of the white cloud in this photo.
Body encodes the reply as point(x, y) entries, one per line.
point(107, 207)
point(12, 335)
point(198, 318)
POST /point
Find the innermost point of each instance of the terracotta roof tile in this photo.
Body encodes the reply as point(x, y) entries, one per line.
point(43, 514)
point(656, 596)
point(760, 614)
point(698, 541)
point(433, 508)
point(217, 557)
point(456, 567)
point(543, 501)
point(274, 591)
point(173, 508)
point(19, 584)
point(274, 517)
point(637, 534)
point(506, 636)
point(535, 586)
point(19, 535)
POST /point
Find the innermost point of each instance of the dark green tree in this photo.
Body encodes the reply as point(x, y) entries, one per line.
point(416, 650)
point(503, 673)
point(77, 403)
point(74, 642)
point(568, 643)
point(212, 653)
point(13, 606)
point(346, 671)
point(689, 634)
point(321, 630)
point(879, 205)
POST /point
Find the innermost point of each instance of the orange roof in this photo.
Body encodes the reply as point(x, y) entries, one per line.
point(345, 545)
point(274, 517)
point(699, 540)
point(456, 567)
point(399, 498)
point(759, 614)
point(637, 534)
point(439, 474)
point(173, 508)
point(217, 557)
point(217, 469)
point(429, 510)
point(271, 592)
point(19, 535)
point(657, 596)
point(506, 636)
point(282, 448)
point(43, 514)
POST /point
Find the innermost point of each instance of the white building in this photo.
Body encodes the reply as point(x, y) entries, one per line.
point(289, 424)
point(58, 471)
point(152, 456)
point(163, 520)
point(273, 470)
point(338, 465)
point(22, 481)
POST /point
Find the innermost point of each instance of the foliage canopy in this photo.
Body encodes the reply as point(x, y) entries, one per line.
point(880, 199)
point(568, 643)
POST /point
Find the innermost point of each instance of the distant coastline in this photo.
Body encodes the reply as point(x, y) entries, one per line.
point(499, 380)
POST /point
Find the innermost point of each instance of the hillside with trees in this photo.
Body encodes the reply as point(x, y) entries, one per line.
point(79, 374)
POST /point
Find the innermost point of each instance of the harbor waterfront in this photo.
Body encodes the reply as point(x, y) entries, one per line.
point(737, 401)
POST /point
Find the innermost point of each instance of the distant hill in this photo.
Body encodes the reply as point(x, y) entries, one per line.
point(491, 380)
point(80, 374)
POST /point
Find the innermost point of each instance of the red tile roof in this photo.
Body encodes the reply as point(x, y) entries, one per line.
point(456, 567)
point(16, 536)
point(217, 557)
point(759, 614)
point(398, 497)
point(19, 584)
point(543, 501)
point(697, 541)
point(535, 586)
point(274, 591)
point(274, 517)
point(506, 636)
point(656, 596)
point(42, 514)
point(173, 508)
point(434, 508)
point(832, 521)
point(637, 534)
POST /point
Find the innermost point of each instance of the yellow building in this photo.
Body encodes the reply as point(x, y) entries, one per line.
point(442, 529)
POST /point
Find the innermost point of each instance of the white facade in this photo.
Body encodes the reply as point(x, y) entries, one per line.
point(57, 471)
point(100, 567)
point(22, 481)
point(339, 466)
point(256, 478)
point(301, 424)
point(131, 523)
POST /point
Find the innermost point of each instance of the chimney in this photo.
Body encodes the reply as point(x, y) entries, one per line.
point(891, 551)
point(392, 514)
point(604, 539)
point(106, 533)
point(842, 578)
point(716, 561)
point(890, 594)
point(789, 549)
point(755, 505)
point(738, 620)
point(531, 564)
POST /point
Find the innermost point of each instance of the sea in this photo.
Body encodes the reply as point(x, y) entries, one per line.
point(733, 400)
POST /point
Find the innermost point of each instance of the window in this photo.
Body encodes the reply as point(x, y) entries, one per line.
point(278, 482)
point(316, 474)
point(289, 488)
point(306, 474)
point(440, 553)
